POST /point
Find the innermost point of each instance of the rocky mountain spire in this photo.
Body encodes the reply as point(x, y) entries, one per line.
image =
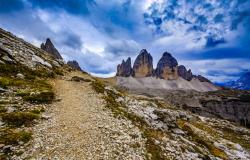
point(49, 47)
point(124, 69)
point(74, 64)
point(167, 67)
point(143, 65)
point(182, 72)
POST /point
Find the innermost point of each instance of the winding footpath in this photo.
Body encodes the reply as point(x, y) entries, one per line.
point(78, 126)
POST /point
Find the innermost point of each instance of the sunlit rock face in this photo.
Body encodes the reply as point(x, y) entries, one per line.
point(143, 66)
point(167, 67)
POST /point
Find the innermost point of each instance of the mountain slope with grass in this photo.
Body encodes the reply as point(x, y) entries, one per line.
point(49, 110)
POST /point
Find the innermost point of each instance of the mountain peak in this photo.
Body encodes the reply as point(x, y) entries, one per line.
point(49, 47)
point(143, 65)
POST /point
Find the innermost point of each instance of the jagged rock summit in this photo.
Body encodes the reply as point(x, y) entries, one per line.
point(50, 48)
point(74, 64)
point(124, 69)
point(167, 69)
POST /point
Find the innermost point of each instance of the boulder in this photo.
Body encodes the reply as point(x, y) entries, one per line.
point(20, 76)
point(143, 65)
point(167, 67)
point(74, 64)
point(124, 69)
point(49, 47)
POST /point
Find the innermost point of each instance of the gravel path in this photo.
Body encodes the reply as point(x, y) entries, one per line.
point(79, 127)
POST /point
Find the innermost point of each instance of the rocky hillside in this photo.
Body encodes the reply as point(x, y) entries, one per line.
point(174, 133)
point(14, 50)
point(49, 110)
point(145, 76)
point(243, 83)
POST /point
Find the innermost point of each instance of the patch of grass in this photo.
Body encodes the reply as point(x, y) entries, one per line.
point(12, 137)
point(205, 128)
point(38, 98)
point(12, 70)
point(18, 119)
point(201, 140)
point(2, 109)
point(37, 111)
point(98, 86)
point(233, 136)
point(8, 81)
point(58, 72)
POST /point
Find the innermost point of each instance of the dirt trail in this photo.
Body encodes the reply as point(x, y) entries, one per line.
point(79, 127)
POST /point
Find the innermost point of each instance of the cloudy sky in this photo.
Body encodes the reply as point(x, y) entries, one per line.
point(212, 37)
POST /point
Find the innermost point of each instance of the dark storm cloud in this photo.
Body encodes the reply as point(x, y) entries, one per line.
point(72, 40)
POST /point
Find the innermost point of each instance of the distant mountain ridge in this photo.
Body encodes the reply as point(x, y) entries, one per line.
point(168, 74)
point(243, 83)
point(167, 68)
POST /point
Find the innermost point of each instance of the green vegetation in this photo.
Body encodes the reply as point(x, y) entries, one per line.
point(10, 136)
point(40, 97)
point(18, 119)
point(233, 135)
point(12, 70)
point(38, 110)
point(8, 81)
point(98, 86)
point(202, 140)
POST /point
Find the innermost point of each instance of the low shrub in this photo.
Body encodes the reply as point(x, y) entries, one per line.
point(42, 97)
point(18, 119)
point(98, 86)
point(10, 137)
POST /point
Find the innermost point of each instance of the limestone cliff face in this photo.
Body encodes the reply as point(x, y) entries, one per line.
point(143, 66)
point(50, 48)
point(167, 67)
point(124, 69)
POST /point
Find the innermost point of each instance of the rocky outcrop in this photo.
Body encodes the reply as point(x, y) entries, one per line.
point(167, 67)
point(201, 78)
point(182, 72)
point(14, 50)
point(49, 47)
point(143, 65)
point(124, 69)
point(74, 64)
